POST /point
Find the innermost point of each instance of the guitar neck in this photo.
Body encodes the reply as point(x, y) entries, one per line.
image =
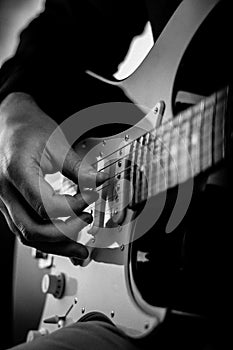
point(191, 143)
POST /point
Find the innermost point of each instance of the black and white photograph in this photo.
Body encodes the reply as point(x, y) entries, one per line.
point(116, 149)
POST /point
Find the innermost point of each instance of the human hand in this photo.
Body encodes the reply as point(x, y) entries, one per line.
point(28, 202)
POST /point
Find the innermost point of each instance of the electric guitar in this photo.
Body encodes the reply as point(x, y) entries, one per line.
point(160, 153)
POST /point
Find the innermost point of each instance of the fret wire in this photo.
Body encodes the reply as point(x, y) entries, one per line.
point(202, 113)
point(140, 169)
point(151, 146)
point(157, 165)
point(179, 155)
point(173, 165)
point(154, 164)
point(184, 171)
point(195, 143)
point(213, 127)
point(137, 171)
point(169, 159)
point(146, 151)
point(218, 131)
point(207, 138)
point(224, 121)
point(132, 172)
point(165, 156)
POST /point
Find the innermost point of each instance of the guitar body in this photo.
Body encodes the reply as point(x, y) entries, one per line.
point(111, 281)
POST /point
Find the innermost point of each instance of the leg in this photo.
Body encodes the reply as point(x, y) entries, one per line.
point(96, 335)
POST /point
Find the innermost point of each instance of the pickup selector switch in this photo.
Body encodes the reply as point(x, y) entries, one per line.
point(54, 284)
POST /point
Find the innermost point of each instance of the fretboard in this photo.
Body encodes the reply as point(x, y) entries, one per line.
point(182, 148)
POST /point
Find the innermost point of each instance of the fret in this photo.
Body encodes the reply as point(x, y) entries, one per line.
point(145, 169)
point(201, 141)
point(213, 100)
point(206, 135)
point(224, 122)
point(184, 161)
point(218, 134)
point(218, 141)
point(195, 143)
point(138, 152)
point(150, 157)
point(173, 164)
point(132, 174)
point(157, 166)
point(165, 157)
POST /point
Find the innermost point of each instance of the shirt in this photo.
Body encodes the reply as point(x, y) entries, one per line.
point(68, 38)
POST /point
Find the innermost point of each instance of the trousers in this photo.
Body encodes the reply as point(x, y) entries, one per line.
point(95, 331)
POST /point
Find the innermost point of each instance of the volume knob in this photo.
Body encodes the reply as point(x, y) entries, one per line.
point(53, 284)
point(32, 335)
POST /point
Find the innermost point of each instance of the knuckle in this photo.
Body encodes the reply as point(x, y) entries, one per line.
point(40, 209)
point(22, 239)
point(25, 232)
point(15, 167)
point(72, 163)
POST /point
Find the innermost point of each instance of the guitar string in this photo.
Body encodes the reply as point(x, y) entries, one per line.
point(148, 146)
point(219, 143)
point(143, 192)
point(139, 184)
point(161, 159)
point(167, 124)
point(154, 186)
point(158, 130)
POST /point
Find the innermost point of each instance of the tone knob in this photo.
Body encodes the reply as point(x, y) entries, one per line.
point(53, 284)
point(32, 335)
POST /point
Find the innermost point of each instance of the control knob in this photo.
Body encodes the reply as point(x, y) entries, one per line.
point(32, 335)
point(53, 284)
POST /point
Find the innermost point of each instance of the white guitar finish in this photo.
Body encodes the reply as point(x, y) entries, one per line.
point(102, 284)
